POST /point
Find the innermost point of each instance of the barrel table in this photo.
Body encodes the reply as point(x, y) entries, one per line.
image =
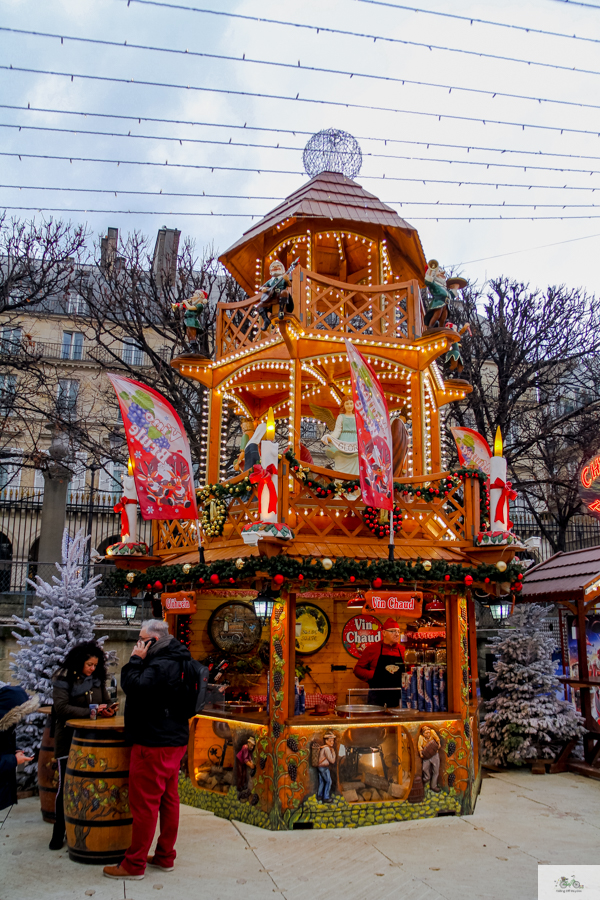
point(47, 773)
point(97, 813)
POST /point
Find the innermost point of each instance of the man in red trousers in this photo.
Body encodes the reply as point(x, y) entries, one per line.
point(156, 725)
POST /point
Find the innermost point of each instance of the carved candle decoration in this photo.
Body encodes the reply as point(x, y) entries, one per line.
point(269, 453)
point(499, 511)
point(131, 500)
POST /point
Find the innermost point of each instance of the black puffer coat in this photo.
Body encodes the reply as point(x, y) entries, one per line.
point(14, 706)
point(153, 713)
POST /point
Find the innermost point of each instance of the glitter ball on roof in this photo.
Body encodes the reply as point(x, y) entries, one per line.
point(332, 150)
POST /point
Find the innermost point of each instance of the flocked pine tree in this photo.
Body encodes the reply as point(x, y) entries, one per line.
point(526, 720)
point(63, 615)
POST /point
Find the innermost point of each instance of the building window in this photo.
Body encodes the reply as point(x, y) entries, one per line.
point(72, 345)
point(10, 342)
point(68, 389)
point(8, 390)
point(11, 466)
point(76, 305)
point(132, 354)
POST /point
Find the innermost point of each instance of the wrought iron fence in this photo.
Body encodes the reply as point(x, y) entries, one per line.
point(20, 523)
point(582, 532)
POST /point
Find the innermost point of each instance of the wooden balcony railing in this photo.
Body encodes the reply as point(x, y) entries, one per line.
point(321, 304)
point(452, 520)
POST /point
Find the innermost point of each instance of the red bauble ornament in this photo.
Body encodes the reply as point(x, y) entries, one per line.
point(487, 580)
point(446, 578)
point(520, 576)
point(158, 586)
point(468, 580)
point(377, 582)
point(201, 580)
point(148, 587)
point(352, 578)
point(278, 579)
point(214, 578)
point(517, 587)
point(400, 580)
point(174, 581)
point(232, 581)
point(300, 577)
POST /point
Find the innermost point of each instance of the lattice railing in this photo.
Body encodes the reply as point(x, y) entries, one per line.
point(381, 310)
point(391, 311)
point(174, 536)
point(339, 517)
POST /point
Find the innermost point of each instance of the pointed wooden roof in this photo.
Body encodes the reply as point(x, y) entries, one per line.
point(329, 198)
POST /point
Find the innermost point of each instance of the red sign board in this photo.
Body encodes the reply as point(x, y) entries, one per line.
point(359, 631)
point(589, 486)
point(179, 603)
point(401, 604)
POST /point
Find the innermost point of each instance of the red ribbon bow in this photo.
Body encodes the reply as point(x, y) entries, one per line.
point(121, 507)
point(506, 495)
point(264, 478)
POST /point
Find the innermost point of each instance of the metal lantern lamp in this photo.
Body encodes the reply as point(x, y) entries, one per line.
point(263, 607)
point(128, 611)
point(356, 602)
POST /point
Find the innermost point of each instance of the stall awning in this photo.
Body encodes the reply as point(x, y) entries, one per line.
point(565, 576)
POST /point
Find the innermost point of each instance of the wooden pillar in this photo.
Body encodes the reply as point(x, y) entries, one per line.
point(436, 450)
point(417, 423)
point(453, 653)
point(472, 644)
point(281, 675)
point(296, 403)
point(215, 412)
point(291, 653)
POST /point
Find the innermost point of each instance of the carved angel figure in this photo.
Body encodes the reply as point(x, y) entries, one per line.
point(341, 440)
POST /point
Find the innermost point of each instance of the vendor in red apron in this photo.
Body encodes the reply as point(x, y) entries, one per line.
point(382, 664)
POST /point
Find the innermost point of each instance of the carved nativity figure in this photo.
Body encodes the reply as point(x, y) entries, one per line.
point(341, 441)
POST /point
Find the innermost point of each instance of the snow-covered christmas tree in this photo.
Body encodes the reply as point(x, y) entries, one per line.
point(64, 615)
point(526, 720)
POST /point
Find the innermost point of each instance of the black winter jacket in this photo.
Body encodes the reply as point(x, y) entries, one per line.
point(153, 714)
point(14, 706)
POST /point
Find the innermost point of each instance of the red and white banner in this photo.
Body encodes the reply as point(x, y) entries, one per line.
point(159, 451)
point(375, 451)
point(403, 604)
point(473, 449)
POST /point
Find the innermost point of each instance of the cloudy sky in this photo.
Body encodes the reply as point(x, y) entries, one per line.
point(482, 136)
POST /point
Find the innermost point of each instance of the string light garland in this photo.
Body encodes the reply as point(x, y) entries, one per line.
point(128, 45)
point(298, 99)
point(370, 37)
point(246, 127)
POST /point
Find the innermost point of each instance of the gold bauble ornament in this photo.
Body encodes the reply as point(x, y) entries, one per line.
point(327, 563)
point(186, 568)
point(130, 577)
point(501, 565)
point(427, 565)
point(239, 563)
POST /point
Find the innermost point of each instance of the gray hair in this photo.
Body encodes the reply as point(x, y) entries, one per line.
point(157, 627)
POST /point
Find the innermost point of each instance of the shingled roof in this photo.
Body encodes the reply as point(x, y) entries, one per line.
point(329, 195)
point(563, 576)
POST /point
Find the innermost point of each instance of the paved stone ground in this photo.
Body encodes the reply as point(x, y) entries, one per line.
point(521, 820)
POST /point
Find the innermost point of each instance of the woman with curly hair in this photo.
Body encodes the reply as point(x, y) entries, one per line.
point(79, 682)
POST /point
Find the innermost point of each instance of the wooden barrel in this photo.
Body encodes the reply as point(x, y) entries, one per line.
point(97, 813)
point(47, 775)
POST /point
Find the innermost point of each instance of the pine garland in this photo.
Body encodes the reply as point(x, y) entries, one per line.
point(225, 572)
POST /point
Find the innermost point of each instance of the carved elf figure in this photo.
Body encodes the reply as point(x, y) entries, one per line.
point(192, 310)
point(442, 291)
point(127, 506)
point(276, 290)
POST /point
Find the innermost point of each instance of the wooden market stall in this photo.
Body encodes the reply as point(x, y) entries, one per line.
point(572, 581)
point(283, 599)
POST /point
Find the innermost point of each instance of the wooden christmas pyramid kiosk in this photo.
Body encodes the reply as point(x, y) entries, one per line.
point(296, 586)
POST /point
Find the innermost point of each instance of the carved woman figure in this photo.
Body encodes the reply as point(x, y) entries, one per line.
point(342, 442)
